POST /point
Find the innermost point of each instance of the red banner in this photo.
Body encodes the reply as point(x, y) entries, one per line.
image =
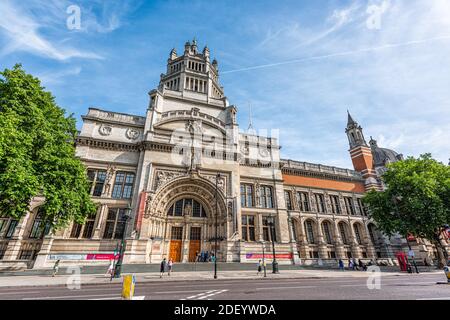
point(268, 256)
point(101, 256)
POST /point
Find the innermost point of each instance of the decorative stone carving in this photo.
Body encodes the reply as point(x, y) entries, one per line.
point(105, 130)
point(132, 134)
point(245, 149)
point(108, 181)
point(258, 194)
point(148, 202)
point(163, 177)
point(221, 183)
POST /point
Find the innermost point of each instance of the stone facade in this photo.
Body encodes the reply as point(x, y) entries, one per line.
point(184, 168)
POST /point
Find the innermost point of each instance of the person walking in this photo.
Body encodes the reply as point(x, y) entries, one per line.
point(341, 265)
point(162, 267)
point(350, 264)
point(55, 268)
point(110, 270)
point(169, 266)
point(259, 267)
point(355, 265)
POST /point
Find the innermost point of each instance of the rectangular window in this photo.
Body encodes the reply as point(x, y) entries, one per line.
point(76, 230)
point(97, 180)
point(343, 234)
point(268, 230)
point(88, 229)
point(39, 227)
point(115, 223)
point(177, 233)
point(303, 201)
point(266, 197)
point(123, 185)
point(287, 196)
point(195, 233)
point(335, 206)
point(349, 206)
point(247, 195)
point(248, 228)
point(361, 208)
point(3, 223)
point(11, 228)
point(320, 203)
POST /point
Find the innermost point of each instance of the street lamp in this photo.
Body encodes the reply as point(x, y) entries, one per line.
point(264, 259)
point(396, 200)
point(271, 224)
point(215, 238)
point(118, 268)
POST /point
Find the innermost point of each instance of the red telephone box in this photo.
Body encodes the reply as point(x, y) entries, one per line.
point(402, 260)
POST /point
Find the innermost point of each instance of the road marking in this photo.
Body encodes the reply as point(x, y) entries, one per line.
point(186, 291)
point(200, 294)
point(297, 287)
point(19, 292)
point(68, 297)
point(212, 294)
point(440, 298)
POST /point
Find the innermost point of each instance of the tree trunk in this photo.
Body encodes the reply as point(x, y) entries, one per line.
point(442, 252)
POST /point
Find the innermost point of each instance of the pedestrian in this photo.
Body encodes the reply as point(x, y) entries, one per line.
point(341, 265)
point(259, 267)
point(56, 268)
point(213, 258)
point(355, 265)
point(110, 270)
point(162, 268)
point(169, 266)
point(350, 264)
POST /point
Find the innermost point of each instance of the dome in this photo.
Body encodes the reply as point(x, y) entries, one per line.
point(383, 156)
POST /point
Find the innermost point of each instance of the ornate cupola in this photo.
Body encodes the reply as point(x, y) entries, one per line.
point(354, 133)
point(192, 74)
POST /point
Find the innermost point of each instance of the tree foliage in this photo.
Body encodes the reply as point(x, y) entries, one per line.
point(37, 153)
point(416, 200)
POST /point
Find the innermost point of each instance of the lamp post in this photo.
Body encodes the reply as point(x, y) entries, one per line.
point(264, 259)
point(118, 267)
point(272, 233)
point(216, 226)
point(396, 200)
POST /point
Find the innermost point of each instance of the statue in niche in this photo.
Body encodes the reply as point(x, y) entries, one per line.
point(188, 210)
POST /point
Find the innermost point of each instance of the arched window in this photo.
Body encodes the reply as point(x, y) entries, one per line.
point(309, 232)
point(343, 232)
point(326, 232)
point(187, 206)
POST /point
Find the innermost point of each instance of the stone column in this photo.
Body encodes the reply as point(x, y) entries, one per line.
point(322, 246)
point(356, 251)
point(102, 212)
point(259, 225)
point(302, 238)
point(41, 259)
point(293, 242)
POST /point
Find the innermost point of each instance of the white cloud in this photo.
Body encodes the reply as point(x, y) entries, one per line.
point(22, 31)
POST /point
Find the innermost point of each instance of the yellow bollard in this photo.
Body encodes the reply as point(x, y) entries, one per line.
point(129, 282)
point(447, 273)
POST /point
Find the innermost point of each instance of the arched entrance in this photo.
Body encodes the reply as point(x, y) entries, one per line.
point(182, 215)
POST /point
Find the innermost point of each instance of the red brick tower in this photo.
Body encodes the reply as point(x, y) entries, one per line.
point(361, 154)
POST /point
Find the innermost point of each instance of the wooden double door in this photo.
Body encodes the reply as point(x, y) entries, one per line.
point(176, 244)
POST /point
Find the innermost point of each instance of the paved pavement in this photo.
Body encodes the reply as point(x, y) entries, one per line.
point(237, 286)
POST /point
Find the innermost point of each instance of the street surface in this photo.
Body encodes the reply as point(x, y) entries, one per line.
point(406, 286)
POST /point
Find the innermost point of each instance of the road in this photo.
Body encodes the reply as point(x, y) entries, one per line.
point(421, 286)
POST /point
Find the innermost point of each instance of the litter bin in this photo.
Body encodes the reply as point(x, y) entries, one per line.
point(129, 282)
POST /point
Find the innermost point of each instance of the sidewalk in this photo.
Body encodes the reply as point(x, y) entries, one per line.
point(90, 279)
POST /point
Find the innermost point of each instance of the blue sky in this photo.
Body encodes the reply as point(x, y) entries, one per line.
point(300, 64)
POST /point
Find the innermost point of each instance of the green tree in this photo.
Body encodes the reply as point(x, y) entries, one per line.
point(37, 153)
point(416, 200)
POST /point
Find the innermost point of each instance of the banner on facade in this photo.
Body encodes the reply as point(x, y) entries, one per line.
point(89, 256)
point(268, 256)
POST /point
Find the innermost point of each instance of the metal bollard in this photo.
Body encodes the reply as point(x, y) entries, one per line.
point(129, 281)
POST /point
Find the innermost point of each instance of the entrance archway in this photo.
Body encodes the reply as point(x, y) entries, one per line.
point(182, 214)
